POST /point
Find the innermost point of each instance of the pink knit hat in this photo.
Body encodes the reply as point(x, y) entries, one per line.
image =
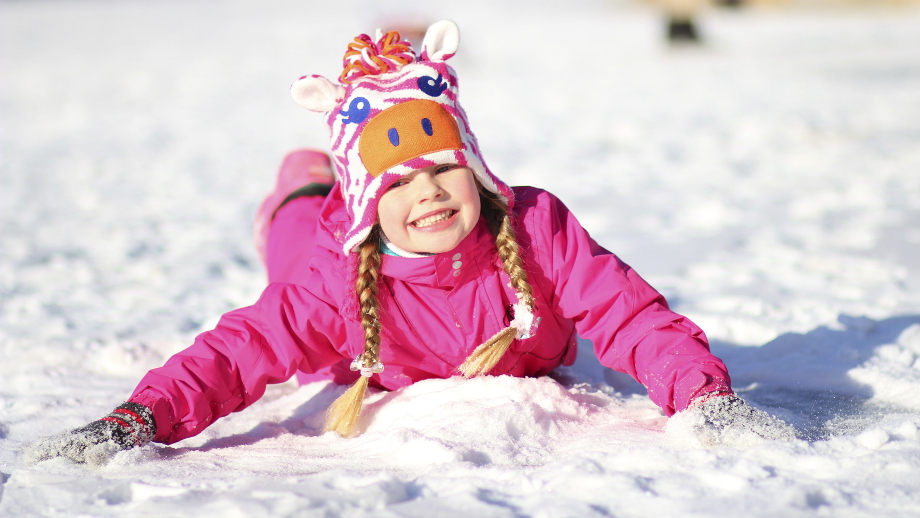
point(392, 114)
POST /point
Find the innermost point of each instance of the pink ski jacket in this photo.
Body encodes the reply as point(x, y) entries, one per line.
point(435, 311)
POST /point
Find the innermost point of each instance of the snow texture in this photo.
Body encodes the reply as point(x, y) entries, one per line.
point(77, 445)
point(727, 421)
point(767, 182)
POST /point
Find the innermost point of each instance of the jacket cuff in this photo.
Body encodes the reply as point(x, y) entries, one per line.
point(161, 410)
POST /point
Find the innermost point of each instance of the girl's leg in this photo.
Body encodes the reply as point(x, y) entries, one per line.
point(291, 238)
point(303, 172)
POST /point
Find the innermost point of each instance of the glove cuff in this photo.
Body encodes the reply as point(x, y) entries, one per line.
point(135, 424)
point(705, 398)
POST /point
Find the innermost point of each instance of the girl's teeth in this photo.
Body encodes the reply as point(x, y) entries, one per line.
point(431, 220)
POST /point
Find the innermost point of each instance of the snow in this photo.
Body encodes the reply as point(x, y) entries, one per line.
point(766, 183)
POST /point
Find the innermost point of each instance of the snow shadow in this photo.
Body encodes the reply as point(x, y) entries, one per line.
point(306, 419)
point(803, 378)
point(806, 378)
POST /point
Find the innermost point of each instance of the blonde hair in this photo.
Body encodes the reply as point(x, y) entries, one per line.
point(342, 416)
point(499, 220)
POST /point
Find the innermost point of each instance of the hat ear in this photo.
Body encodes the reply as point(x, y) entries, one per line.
point(316, 93)
point(441, 41)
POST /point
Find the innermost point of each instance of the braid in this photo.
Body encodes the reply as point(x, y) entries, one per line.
point(498, 218)
point(366, 289)
point(343, 413)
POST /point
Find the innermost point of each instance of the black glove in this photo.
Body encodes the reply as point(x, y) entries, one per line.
point(129, 426)
point(730, 421)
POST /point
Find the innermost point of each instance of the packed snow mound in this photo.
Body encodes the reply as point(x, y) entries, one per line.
point(497, 420)
point(487, 421)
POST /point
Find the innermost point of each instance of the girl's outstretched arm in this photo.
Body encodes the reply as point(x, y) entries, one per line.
point(290, 328)
point(225, 370)
point(629, 322)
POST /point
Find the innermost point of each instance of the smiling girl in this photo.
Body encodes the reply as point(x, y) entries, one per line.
point(430, 209)
point(418, 263)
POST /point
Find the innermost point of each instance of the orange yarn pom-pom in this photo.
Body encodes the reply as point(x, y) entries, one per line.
point(365, 57)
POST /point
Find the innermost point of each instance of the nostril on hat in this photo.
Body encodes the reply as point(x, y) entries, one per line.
point(405, 131)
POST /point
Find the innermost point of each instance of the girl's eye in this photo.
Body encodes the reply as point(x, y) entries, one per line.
point(445, 168)
point(397, 183)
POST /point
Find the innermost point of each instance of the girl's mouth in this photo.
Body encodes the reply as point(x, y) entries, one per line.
point(433, 219)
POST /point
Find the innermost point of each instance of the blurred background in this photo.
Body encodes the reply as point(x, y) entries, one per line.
point(756, 160)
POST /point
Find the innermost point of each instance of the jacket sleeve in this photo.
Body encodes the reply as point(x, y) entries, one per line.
point(627, 320)
point(226, 369)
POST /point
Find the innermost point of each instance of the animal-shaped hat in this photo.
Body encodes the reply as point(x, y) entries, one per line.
point(394, 112)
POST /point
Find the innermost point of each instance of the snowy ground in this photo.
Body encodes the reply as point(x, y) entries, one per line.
point(768, 183)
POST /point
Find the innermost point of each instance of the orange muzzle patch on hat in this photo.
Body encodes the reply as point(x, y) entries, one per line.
point(406, 131)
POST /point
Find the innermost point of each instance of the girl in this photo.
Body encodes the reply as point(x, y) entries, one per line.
point(420, 264)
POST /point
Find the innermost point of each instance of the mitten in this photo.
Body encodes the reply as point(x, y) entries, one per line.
point(729, 421)
point(128, 426)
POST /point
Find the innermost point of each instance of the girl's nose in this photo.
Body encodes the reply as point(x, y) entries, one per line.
point(428, 187)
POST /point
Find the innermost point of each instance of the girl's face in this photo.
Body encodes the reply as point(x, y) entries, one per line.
point(430, 210)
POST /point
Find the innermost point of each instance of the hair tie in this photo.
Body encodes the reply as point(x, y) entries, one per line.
point(358, 364)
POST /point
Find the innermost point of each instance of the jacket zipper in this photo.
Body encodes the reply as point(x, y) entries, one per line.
point(411, 326)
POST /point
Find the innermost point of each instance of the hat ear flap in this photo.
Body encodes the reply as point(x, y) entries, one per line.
point(441, 41)
point(316, 93)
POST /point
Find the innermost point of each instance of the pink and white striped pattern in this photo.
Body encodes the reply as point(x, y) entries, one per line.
point(360, 189)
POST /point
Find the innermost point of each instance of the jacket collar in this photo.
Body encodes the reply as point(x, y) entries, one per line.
point(446, 269)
